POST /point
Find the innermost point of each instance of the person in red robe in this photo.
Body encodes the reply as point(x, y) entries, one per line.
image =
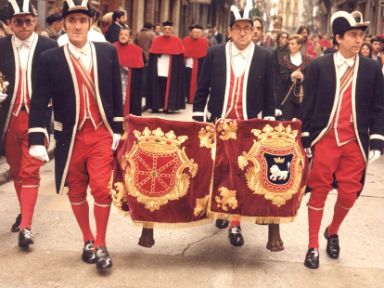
point(166, 77)
point(131, 63)
point(195, 50)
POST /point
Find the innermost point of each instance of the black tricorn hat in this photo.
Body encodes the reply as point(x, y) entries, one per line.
point(21, 7)
point(238, 14)
point(167, 23)
point(76, 6)
point(343, 21)
point(195, 26)
point(53, 18)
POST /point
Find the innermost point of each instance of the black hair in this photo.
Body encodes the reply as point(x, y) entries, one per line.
point(117, 14)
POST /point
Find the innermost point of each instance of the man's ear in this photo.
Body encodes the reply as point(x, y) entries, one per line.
point(229, 30)
point(338, 38)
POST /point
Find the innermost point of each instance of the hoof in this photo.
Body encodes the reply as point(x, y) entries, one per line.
point(146, 239)
point(274, 244)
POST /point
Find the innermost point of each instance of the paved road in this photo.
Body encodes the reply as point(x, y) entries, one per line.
point(194, 257)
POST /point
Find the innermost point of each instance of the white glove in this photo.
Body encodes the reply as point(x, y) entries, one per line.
point(278, 112)
point(3, 97)
point(271, 118)
point(115, 141)
point(373, 156)
point(308, 152)
point(39, 152)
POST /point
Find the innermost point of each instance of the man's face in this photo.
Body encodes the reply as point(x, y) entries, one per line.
point(124, 36)
point(196, 33)
point(283, 40)
point(57, 26)
point(157, 29)
point(167, 30)
point(123, 19)
point(257, 31)
point(351, 43)
point(241, 34)
point(376, 45)
point(23, 26)
point(304, 34)
point(77, 26)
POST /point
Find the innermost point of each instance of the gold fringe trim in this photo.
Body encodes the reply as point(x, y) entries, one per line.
point(256, 219)
point(146, 224)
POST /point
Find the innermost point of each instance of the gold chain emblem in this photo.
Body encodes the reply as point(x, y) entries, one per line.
point(157, 168)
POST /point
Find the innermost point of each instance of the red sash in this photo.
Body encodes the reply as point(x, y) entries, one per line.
point(22, 94)
point(88, 106)
point(343, 124)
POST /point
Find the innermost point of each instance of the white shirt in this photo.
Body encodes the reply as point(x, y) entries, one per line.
point(296, 59)
point(163, 65)
point(84, 54)
point(342, 63)
point(24, 48)
point(239, 59)
point(93, 36)
point(189, 63)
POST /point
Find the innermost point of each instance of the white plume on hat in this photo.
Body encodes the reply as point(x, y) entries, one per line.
point(235, 12)
point(22, 8)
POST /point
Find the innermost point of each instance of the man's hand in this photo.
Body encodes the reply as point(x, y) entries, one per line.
point(308, 152)
point(3, 97)
point(115, 141)
point(39, 152)
point(297, 75)
point(373, 156)
point(278, 112)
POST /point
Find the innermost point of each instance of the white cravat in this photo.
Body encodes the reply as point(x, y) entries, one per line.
point(296, 59)
point(24, 47)
point(189, 63)
point(163, 65)
point(84, 54)
point(239, 59)
point(343, 63)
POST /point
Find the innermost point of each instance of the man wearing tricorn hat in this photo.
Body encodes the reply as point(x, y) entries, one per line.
point(54, 28)
point(238, 78)
point(166, 81)
point(18, 64)
point(83, 81)
point(195, 50)
point(343, 126)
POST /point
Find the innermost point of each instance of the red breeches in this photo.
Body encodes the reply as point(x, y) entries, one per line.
point(91, 164)
point(346, 164)
point(24, 168)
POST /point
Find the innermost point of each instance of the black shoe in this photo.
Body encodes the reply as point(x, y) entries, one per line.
point(15, 226)
point(104, 262)
point(25, 238)
point(312, 259)
point(235, 237)
point(333, 247)
point(89, 253)
point(222, 223)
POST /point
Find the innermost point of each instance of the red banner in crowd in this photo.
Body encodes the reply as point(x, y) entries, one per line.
point(166, 170)
point(173, 172)
point(260, 170)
